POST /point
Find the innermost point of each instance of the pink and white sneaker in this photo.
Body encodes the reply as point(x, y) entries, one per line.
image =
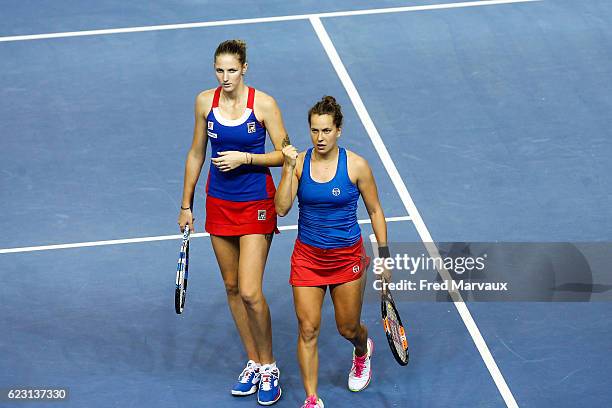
point(361, 371)
point(313, 402)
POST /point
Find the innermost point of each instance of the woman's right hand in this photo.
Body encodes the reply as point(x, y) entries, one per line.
point(290, 154)
point(186, 218)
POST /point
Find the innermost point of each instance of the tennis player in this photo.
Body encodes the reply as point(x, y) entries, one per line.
point(329, 251)
point(240, 214)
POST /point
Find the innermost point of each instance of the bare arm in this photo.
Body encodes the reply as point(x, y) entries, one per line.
point(369, 193)
point(271, 116)
point(195, 159)
point(287, 188)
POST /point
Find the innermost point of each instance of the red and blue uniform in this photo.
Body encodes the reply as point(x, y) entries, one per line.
point(329, 248)
point(240, 201)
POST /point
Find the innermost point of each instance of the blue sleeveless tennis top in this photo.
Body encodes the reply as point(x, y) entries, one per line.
point(328, 211)
point(246, 134)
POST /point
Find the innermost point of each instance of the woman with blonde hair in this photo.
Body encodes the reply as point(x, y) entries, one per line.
point(240, 213)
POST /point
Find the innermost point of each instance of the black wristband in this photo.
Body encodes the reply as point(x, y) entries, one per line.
point(383, 252)
point(183, 208)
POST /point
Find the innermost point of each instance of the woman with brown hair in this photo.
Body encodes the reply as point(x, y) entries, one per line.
point(328, 181)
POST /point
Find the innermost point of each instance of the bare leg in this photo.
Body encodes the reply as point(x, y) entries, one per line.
point(227, 251)
point(252, 261)
point(308, 302)
point(348, 299)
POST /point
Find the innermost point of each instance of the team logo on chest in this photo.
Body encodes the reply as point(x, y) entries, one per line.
point(336, 192)
point(210, 125)
point(251, 127)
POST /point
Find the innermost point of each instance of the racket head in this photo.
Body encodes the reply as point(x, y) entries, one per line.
point(394, 329)
point(182, 273)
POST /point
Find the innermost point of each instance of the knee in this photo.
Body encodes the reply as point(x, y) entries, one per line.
point(252, 298)
point(308, 332)
point(349, 331)
point(231, 288)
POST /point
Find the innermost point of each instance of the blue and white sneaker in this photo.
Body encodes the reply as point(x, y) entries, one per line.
point(269, 386)
point(247, 382)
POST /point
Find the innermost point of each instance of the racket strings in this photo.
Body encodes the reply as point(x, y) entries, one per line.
point(399, 339)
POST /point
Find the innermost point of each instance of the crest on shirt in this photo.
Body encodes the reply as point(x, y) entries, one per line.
point(336, 191)
point(210, 125)
point(251, 127)
point(261, 215)
point(356, 269)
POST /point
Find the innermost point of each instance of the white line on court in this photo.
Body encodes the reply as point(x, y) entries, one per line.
point(150, 239)
point(258, 20)
point(380, 147)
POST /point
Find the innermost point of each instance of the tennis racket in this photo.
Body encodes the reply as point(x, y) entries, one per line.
point(394, 330)
point(392, 323)
point(182, 272)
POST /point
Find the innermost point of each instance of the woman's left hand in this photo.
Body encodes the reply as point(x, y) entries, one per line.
point(230, 160)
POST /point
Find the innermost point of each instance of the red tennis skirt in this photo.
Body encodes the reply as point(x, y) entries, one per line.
point(312, 266)
point(234, 218)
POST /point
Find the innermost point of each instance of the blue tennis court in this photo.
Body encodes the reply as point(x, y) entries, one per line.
point(482, 121)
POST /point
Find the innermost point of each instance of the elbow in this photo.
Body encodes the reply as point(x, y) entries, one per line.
point(280, 210)
point(376, 212)
point(195, 156)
